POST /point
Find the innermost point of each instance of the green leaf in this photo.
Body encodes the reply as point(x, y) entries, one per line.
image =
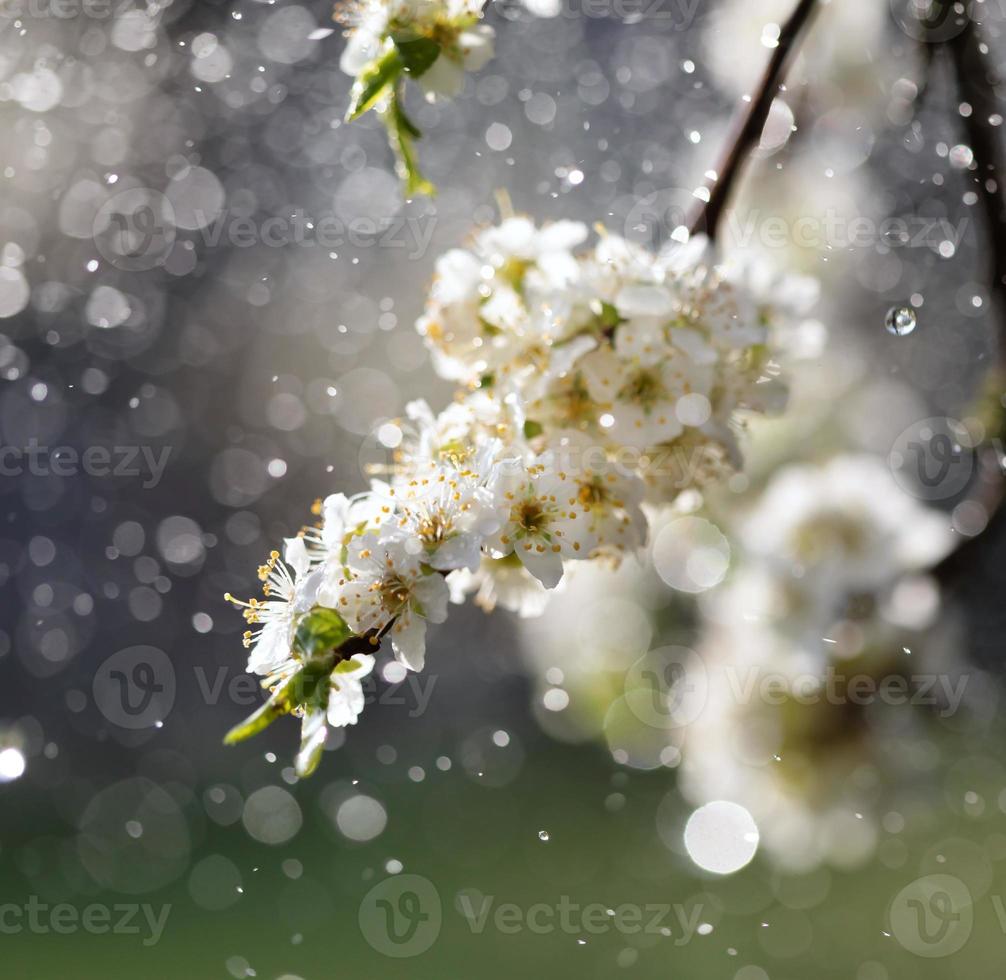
point(417, 53)
point(532, 429)
point(320, 631)
point(375, 81)
point(608, 317)
point(260, 719)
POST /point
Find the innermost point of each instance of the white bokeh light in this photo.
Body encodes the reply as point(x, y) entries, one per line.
point(12, 765)
point(721, 837)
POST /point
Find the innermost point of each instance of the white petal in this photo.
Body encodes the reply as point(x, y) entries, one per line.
point(296, 556)
point(640, 300)
point(543, 8)
point(546, 566)
point(408, 640)
point(477, 46)
point(307, 591)
point(361, 49)
point(461, 551)
point(432, 594)
point(345, 702)
point(271, 650)
point(443, 77)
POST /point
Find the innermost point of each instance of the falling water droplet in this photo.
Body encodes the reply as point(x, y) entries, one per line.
point(543, 835)
point(900, 320)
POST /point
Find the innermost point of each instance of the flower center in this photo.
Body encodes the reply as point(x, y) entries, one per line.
point(644, 388)
point(530, 517)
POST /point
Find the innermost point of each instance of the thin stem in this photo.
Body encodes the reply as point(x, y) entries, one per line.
point(750, 125)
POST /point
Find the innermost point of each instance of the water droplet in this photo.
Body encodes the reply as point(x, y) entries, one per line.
point(900, 320)
point(543, 835)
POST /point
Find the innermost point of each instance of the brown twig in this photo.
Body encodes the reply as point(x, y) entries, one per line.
point(752, 122)
point(976, 87)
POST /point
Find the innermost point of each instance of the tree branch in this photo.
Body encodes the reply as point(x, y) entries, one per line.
point(750, 125)
point(976, 86)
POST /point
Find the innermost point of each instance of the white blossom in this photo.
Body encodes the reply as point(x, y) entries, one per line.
point(539, 519)
point(289, 588)
point(390, 589)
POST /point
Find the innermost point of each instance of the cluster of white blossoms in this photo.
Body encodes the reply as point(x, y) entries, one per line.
point(591, 383)
point(432, 41)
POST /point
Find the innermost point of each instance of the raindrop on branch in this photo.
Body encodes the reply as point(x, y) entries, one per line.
point(900, 321)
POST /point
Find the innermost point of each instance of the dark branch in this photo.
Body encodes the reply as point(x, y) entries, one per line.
point(752, 122)
point(976, 87)
point(975, 83)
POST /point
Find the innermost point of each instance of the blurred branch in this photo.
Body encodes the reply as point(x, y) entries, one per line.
point(976, 86)
point(750, 124)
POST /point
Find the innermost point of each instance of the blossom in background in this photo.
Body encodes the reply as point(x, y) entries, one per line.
point(853, 50)
point(828, 553)
point(828, 534)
